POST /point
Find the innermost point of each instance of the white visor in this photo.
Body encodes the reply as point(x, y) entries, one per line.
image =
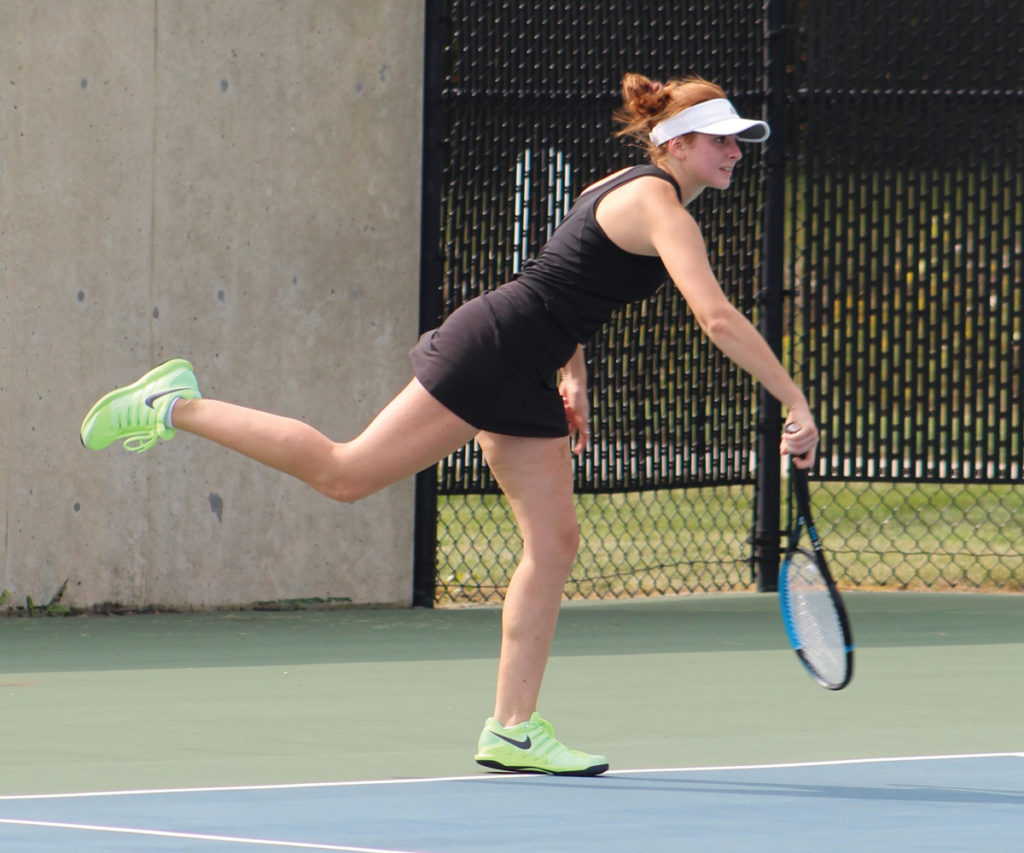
point(716, 117)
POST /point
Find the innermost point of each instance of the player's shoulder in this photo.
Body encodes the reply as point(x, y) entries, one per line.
point(658, 197)
point(642, 183)
point(660, 189)
point(606, 180)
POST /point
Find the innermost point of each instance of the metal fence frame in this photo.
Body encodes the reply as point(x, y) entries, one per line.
point(792, 41)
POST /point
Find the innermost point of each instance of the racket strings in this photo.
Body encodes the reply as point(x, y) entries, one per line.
point(814, 620)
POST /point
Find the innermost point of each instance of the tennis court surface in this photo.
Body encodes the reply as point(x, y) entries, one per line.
point(354, 730)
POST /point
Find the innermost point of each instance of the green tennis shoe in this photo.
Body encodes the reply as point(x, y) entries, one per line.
point(138, 414)
point(531, 747)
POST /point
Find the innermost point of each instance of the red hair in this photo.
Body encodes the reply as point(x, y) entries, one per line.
point(646, 102)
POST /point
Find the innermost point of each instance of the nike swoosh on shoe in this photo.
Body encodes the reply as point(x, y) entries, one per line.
point(521, 744)
point(153, 397)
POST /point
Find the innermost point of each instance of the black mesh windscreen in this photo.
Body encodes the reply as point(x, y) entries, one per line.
point(907, 220)
point(895, 249)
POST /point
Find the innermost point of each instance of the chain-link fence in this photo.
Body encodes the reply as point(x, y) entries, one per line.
point(876, 238)
point(905, 215)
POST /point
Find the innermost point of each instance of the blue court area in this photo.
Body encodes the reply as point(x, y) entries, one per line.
point(355, 730)
point(953, 803)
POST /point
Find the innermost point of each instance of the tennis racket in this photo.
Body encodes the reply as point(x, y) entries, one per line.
point(812, 609)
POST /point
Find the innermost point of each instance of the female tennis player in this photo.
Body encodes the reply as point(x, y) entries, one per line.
point(507, 369)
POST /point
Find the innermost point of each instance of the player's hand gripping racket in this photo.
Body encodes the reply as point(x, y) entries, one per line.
point(812, 609)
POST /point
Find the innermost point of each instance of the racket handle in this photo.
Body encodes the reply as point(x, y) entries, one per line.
point(801, 490)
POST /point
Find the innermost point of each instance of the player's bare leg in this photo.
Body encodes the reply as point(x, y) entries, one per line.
point(411, 433)
point(536, 476)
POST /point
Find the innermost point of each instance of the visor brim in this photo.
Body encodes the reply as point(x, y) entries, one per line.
point(746, 130)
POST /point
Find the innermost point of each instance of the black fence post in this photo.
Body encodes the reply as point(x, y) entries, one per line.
point(769, 414)
point(431, 272)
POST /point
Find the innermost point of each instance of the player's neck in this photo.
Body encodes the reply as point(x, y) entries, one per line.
point(689, 186)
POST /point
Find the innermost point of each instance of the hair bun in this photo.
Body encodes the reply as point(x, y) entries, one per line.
point(645, 102)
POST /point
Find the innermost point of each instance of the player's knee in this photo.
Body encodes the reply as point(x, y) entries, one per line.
point(343, 487)
point(341, 493)
point(555, 546)
point(566, 545)
point(572, 541)
point(344, 478)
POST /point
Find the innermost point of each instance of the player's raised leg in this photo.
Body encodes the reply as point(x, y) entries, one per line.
point(411, 433)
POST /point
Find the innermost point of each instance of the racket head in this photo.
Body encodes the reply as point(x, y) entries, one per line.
point(815, 618)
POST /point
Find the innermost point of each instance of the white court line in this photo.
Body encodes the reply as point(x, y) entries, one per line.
point(832, 763)
point(290, 786)
point(298, 845)
point(496, 777)
point(195, 836)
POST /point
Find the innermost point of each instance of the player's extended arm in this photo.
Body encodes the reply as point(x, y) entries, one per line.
point(677, 239)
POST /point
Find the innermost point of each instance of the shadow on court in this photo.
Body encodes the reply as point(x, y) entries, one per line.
point(193, 700)
point(934, 804)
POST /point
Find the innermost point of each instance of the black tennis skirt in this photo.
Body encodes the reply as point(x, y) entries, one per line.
point(494, 363)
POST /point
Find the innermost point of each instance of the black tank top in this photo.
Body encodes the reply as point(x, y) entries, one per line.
point(581, 275)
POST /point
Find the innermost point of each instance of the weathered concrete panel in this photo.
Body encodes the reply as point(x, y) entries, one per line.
point(235, 182)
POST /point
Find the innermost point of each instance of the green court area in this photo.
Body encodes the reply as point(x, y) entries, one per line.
point(94, 703)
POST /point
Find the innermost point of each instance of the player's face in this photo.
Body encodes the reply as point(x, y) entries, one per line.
point(711, 159)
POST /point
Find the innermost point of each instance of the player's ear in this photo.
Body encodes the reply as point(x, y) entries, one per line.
point(677, 147)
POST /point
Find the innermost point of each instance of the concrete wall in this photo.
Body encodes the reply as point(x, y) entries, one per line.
point(236, 182)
